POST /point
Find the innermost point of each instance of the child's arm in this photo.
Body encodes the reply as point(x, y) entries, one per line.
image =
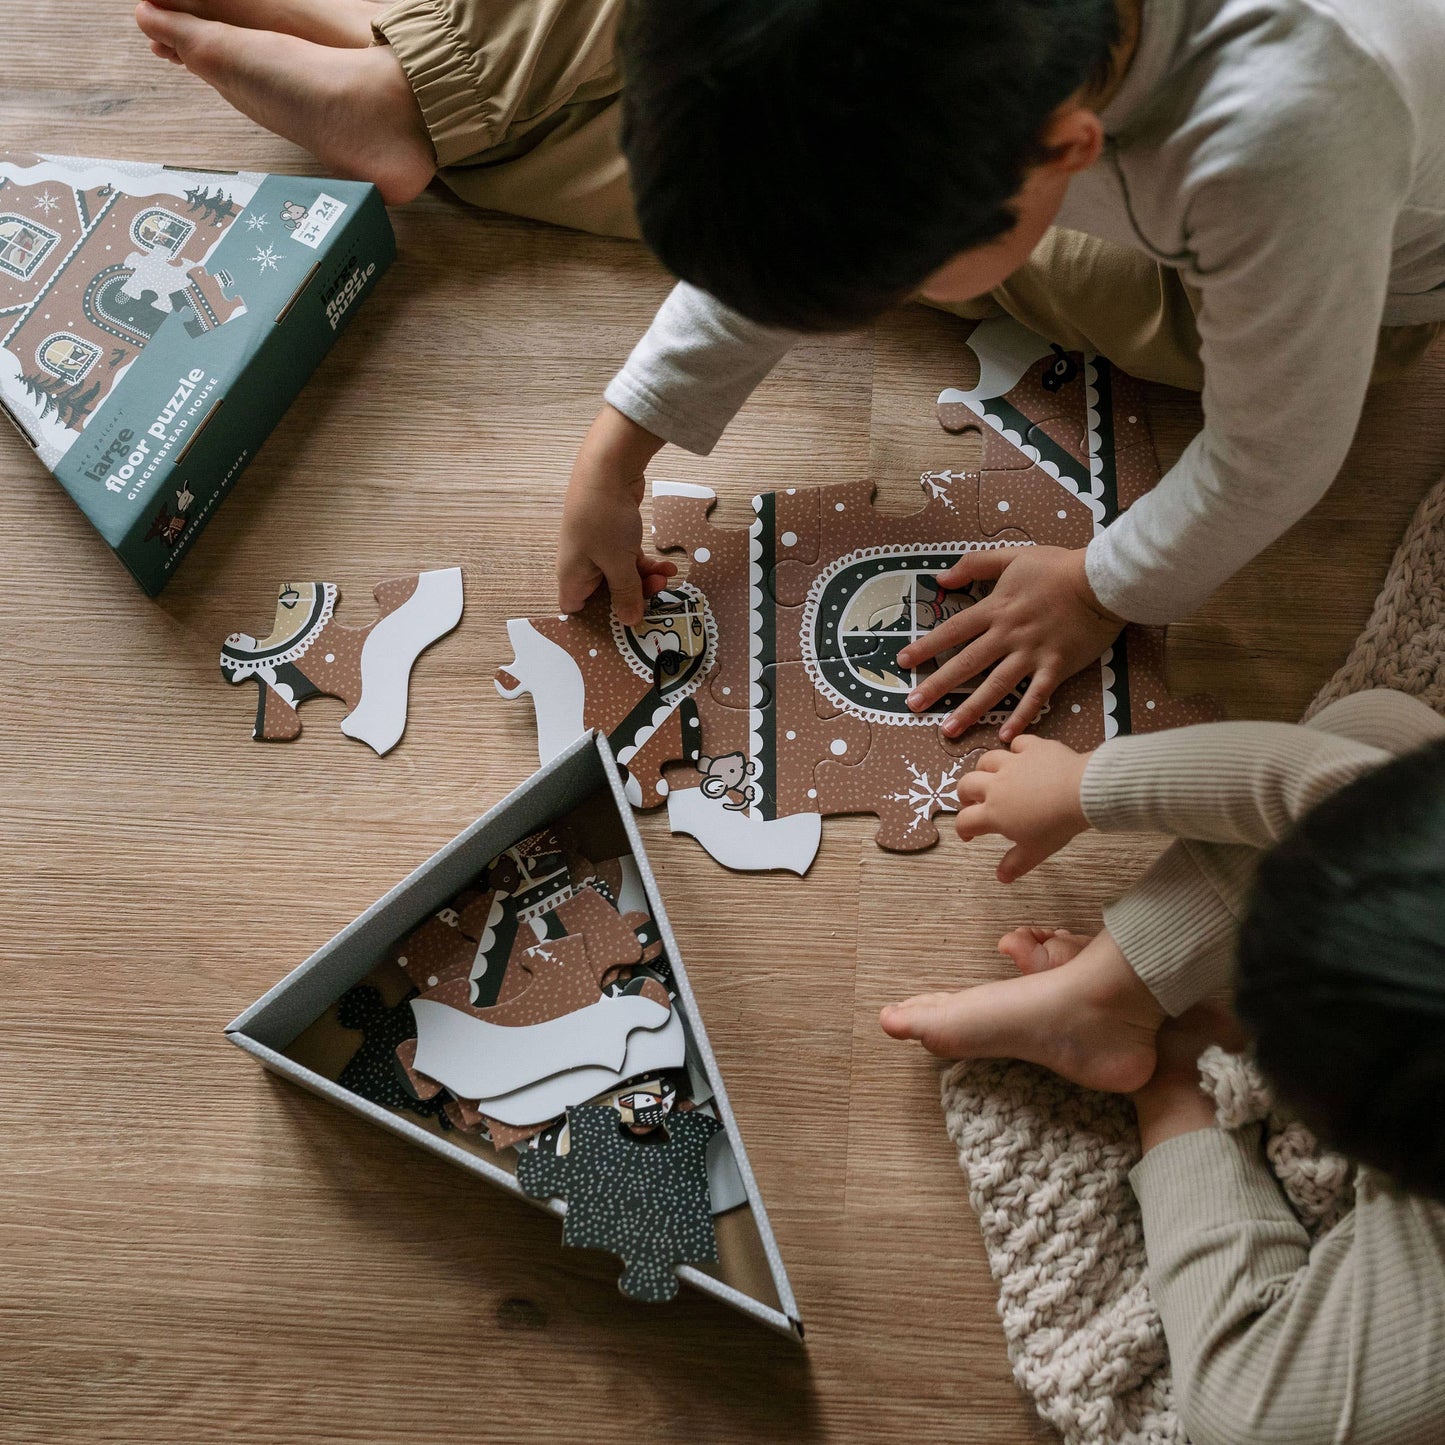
point(1289, 244)
point(601, 534)
point(1270, 1340)
point(1242, 783)
point(685, 380)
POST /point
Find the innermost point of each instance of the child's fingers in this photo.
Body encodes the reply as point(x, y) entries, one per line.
point(951, 632)
point(972, 786)
point(1020, 859)
point(992, 761)
point(1031, 704)
point(985, 565)
point(655, 566)
point(976, 658)
point(626, 588)
point(574, 586)
point(973, 821)
point(987, 695)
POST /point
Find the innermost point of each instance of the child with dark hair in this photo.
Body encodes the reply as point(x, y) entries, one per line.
point(1309, 876)
point(1242, 197)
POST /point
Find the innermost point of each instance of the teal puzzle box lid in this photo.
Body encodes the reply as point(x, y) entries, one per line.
point(156, 323)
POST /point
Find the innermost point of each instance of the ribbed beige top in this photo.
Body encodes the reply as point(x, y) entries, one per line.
point(1270, 1341)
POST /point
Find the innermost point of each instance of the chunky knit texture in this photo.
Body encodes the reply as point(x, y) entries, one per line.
point(1047, 1163)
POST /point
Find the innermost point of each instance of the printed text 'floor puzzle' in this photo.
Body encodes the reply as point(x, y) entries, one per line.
point(764, 693)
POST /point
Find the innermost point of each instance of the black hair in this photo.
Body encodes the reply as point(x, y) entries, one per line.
point(811, 162)
point(1342, 969)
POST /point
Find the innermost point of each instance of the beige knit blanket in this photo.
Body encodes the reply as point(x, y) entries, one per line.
point(1048, 1164)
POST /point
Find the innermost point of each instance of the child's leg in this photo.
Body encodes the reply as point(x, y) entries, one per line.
point(517, 100)
point(1092, 295)
point(521, 103)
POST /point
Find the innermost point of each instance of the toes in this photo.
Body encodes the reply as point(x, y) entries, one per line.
point(1062, 946)
point(1028, 949)
point(910, 1019)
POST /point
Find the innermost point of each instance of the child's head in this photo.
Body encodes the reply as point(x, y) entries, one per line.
point(1342, 969)
point(812, 162)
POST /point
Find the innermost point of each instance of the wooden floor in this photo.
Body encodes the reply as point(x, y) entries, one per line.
point(192, 1251)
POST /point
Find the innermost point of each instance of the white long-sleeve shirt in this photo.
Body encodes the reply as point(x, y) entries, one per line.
point(1287, 157)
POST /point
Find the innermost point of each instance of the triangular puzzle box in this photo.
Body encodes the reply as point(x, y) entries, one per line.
point(156, 323)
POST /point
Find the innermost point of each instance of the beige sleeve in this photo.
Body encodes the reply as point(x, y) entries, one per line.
point(1233, 782)
point(1272, 1341)
point(1177, 928)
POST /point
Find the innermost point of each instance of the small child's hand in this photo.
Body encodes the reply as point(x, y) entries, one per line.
point(1029, 795)
point(1041, 622)
point(601, 536)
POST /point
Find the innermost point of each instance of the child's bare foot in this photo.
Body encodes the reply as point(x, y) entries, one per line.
point(326, 22)
point(350, 106)
point(1078, 1009)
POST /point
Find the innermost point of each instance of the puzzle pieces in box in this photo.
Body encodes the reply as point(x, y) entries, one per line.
point(643, 1197)
point(480, 1060)
point(374, 1071)
point(369, 668)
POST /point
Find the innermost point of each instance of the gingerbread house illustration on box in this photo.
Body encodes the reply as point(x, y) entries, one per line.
point(93, 258)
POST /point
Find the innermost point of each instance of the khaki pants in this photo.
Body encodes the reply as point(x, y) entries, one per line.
point(522, 100)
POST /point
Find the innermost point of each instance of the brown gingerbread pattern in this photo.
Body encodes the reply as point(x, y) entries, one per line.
point(801, 710)
point(308, 654)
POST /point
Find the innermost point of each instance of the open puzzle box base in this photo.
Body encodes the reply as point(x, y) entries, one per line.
point(763, 692)
point(520, 1005)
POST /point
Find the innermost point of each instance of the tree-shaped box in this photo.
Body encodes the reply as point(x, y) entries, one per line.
point(306, 1028)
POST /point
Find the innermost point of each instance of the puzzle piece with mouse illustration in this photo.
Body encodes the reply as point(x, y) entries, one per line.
point(309, 653)
point(762, 692)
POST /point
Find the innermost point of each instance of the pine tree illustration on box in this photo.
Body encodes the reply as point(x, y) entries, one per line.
point(763, 692)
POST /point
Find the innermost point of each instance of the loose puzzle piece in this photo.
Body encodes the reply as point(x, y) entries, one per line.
point(369, 668)
point(479, 1060)
point(374, 1071)
point(641, 1197)
point(790, 703)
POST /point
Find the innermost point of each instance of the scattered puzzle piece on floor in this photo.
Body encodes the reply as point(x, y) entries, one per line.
point(369, 668)
point(787, 702)
point(643, 1198)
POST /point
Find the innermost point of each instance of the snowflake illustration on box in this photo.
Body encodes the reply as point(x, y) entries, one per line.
point(764, 692)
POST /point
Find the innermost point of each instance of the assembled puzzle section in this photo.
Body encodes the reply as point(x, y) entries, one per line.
point(537, 1022)
point(763, 692)
point(155, 324)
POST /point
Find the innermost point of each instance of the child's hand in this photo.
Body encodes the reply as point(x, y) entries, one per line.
point(601, 537)
point(1030, 796)
point(1041, 621)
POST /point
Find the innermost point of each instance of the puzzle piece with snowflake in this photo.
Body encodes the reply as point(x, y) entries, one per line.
point(764, 693)
point(309, 653)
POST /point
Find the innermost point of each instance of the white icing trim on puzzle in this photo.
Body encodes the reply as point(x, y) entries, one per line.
point(648, 1052)
point(551, 674)
point(683, 489)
